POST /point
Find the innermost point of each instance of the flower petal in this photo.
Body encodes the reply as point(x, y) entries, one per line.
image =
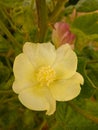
point(21, 84)
point(23, 72)
point(39, 99)
point(40, 54)
point(66, 62)
point(65, 90)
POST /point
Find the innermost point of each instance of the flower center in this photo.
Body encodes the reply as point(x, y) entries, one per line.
point(45, 75)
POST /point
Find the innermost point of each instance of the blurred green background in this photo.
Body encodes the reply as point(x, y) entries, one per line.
point(20, 21)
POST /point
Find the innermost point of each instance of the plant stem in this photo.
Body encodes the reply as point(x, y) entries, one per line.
point(84, 113)
point(6, 91)
point(42, 19)
point(9, 100)
point(8, 17)
point(90, 81)
point(9, 64)
point(10, 36)
point(92, 61)
point(57, 10)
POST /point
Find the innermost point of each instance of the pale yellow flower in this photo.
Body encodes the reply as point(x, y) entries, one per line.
point(44, 75)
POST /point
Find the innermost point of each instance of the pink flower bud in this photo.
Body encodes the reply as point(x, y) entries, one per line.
point(61, 34)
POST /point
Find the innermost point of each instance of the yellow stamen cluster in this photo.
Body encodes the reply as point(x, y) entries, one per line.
point(45, 75)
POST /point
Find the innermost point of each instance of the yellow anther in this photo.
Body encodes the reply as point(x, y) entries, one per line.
point(45, 75)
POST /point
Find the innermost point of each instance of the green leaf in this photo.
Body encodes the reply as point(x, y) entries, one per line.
point(61, 111)
point(58, 126)
point(61, 115)
point(28, 118)
point(81, 115)
point(88, 87)
point(4, 46)
point(10, 3)
point(92, 64)
point(69, 10)
point(89, 53)
point(4, 72)
point(82, 39)
point(88, 24)
point(86, 30)
point(87, 5)
point(93, 73)
point(21, 17)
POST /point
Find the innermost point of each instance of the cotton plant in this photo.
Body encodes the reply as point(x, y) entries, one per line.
point(48, 64)
point(48, 72)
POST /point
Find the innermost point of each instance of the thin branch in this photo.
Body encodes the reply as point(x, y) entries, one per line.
point(10, 36)
point(42, 19)
point(84, 113)
point(57, 10)
point(8, 17)
point(6, 91)
point(92, 61)
point(9, 100)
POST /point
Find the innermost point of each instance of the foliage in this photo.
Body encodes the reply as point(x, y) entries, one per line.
point(21, 21)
